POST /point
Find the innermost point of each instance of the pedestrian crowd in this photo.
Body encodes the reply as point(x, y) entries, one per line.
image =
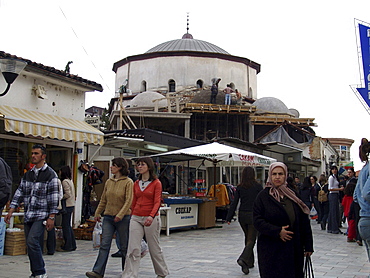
point(276, 215)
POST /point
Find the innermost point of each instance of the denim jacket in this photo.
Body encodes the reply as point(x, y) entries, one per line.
point(362, 191)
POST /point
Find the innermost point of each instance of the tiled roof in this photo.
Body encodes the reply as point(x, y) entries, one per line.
point(73, 78)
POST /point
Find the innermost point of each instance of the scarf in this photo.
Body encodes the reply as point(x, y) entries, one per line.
point(284, 190)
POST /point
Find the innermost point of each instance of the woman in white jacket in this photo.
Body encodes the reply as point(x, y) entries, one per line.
point(69, 200)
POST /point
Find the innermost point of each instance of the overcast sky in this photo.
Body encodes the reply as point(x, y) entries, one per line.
point(307, 49)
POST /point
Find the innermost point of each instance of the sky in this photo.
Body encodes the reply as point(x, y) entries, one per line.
point(307, 49)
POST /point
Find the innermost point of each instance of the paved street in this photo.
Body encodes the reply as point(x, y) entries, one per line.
point(200, 254)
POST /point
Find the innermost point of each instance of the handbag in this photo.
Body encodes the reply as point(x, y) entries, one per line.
point(64, 207)
point(308, 269)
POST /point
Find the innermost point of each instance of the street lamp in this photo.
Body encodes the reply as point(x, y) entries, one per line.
point(11, 68)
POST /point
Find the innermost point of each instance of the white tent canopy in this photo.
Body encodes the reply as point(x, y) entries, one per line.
point(217, 153)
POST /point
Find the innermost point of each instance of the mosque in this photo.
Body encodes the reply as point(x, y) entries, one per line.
point(165, 92)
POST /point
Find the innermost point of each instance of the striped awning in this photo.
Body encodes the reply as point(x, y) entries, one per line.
point(49, 126)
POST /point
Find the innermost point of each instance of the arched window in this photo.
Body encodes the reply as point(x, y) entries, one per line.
point(199, 84)
point(171, 85)
point(143, 86)
point(232, 85)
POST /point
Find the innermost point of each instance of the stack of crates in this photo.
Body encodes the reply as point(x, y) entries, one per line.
point(15, 243)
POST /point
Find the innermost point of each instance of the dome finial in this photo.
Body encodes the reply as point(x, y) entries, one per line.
point(187, 35)
point(187, 23)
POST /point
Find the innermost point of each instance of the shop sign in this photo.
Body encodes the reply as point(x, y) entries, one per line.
point(183, 215)
point(364, 34)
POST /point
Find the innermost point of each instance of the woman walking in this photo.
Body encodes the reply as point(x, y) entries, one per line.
point(285, 235)
point(334, 189)
point(69, 200)
point(246, 193)
point(115, 202)
point(145, 221)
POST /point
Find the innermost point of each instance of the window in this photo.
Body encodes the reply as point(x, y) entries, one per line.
point(172, 85)
point(143, 86)
point(232, 85)
point(199, 84)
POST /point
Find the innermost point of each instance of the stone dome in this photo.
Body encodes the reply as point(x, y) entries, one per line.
point(295, 112)
point(187, 43)
point(145, 99)
point(271, 105)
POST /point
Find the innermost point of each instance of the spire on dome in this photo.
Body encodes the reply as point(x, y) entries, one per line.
point(187, 35)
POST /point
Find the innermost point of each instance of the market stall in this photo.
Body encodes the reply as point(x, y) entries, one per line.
point(213, 156)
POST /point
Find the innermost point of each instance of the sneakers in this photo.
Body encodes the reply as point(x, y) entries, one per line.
point(351, 240)
point(92, 274)
point(40, 276)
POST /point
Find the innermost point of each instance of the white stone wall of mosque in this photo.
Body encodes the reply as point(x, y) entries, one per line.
point(186, 71)
point(62, 100)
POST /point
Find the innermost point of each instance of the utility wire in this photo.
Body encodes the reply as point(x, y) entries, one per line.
point(84, 49)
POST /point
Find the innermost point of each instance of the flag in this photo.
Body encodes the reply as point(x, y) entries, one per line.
point(349, 165)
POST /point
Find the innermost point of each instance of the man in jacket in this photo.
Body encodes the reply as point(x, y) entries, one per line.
point(5, 183)
point(39, 191)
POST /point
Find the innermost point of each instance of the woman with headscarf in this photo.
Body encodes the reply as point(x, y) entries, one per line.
point(285, 235)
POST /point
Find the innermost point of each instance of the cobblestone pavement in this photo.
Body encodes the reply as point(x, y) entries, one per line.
point(200, 253)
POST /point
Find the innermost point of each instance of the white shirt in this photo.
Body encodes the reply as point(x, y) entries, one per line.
point(333, 183)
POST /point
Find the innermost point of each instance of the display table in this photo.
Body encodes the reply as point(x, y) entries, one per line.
point(183, 213)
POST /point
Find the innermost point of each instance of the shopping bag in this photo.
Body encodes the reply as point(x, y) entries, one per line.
point(144, 248)
point(313, 213)
point(308, 269)
point(96, 234)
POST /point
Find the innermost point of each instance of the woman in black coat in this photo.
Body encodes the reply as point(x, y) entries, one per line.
point(246, 192)
point(285, 235)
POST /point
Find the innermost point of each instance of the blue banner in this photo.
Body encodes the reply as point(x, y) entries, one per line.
point(365, 51)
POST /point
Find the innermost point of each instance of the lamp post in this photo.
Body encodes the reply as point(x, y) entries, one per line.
point(11, 68)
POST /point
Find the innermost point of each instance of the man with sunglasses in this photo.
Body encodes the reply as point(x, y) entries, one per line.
point(39, 191)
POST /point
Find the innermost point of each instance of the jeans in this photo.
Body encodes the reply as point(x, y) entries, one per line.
point(364, 228)
point(324, 208)
point(250, 234)
point(51, 242)
point(34, 232)
point(68, 235)
point(109, 228)
point(227, 99)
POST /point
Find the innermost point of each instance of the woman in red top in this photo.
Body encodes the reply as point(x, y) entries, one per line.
point(346, 203)
point(145, 221)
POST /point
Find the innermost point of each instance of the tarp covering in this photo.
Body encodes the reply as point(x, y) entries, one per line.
point(216, 152)
point(49, 126)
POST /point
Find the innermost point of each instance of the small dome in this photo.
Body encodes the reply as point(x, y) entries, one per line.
point(187, 43)
point(145, 99)
point(271, 105)
point(294, 112)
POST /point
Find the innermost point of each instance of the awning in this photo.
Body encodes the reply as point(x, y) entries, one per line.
point(49, 126)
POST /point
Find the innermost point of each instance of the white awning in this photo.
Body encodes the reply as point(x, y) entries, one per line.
point(49, 126)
